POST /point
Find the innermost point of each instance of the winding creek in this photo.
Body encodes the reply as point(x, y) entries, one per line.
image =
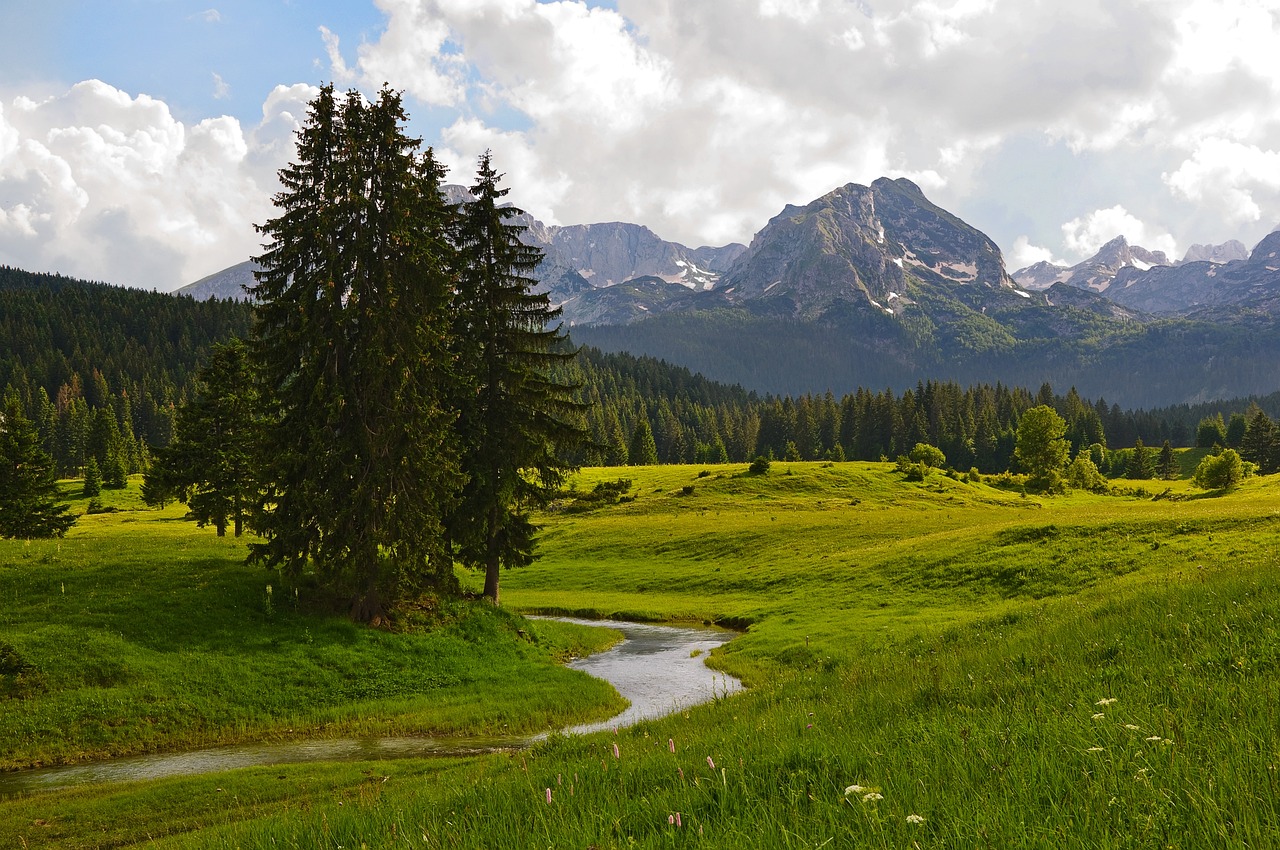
point(659, 669)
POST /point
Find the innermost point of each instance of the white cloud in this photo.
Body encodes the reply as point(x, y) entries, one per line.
point(1229, 177)
point(221, 90)
point(98, 184)
point(1085, 235)
point(1025, 254)
point(209, 16)
point(651, 110)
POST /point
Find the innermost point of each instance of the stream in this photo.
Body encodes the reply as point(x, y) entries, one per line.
point(659, 669)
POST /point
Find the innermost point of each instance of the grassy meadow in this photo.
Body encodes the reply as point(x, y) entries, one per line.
point(938, 664)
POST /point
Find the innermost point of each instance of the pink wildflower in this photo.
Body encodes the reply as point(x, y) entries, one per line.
point(671, 744)
point(671, 819)
point(678, 820)
point(548, 796)
point(710, 763)
point(615, 752)
point(680, 770)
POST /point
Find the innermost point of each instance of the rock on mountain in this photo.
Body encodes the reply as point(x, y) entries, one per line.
point(856, 246)
point(1226, 252)
point(1206, 288)
point(228, 284)
point(577, 259)
point(1095, 273)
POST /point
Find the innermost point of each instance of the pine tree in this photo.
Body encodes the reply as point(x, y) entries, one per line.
point(1260, 444)
point(1140, 467)
point(92, 479)
point(517, 423)
point(29, 497)
point(209, 464)
point(1167, 465)
point(351, 342)
point(643, 449)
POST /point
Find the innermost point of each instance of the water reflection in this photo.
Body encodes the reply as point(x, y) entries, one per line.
point(659, 669)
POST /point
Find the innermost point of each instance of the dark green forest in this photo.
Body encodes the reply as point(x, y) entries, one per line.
point(98, 366)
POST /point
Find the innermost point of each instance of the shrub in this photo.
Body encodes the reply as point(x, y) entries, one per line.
point(1220, 472)
point(1083, 475)
point(930, 456)
point(760, 466)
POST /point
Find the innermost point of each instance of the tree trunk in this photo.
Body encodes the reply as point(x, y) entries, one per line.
point(493, 561)
point(367, 607)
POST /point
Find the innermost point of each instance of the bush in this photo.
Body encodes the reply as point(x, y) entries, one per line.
point(930, 456)
point(1083, 475)
point(1220, 472)
point(760, 466)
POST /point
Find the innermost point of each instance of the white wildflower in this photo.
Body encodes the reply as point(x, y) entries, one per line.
point(1105, 701)
point(1154, 739)
point(872, 797)
point(1132, 728)
point(1099, 716)
point(853, 789)
point(1095, 749)
point(917, 819)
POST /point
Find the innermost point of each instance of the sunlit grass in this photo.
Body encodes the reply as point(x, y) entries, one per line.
point(987, 670)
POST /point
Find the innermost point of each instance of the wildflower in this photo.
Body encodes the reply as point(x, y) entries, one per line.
point(680, 770)
point(1131, 727)
point(1105, 701)
point(548, 796)
point(1099, 716)
point(1095, 749)
point(710, 763)
point(615, 752)
point(1154, 738)
point(671, 820)
point(679, 825)
point(854, 789)
point(872, 796)
point(916, 819)
point(808, 726)
point(671, 744)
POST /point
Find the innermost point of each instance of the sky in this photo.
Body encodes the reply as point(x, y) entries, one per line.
point(140, 139)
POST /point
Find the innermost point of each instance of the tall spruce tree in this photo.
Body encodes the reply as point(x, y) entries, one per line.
point(1167, 465)
point(517, 422)
point(210, 463)
point(351, 342)
point(1140, 467)
point(1260, 444)
point(29, 497)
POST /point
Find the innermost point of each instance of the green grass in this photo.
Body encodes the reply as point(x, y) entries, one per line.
point(974, 657)
point(147, 635)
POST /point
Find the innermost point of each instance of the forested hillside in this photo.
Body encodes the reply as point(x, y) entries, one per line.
point(76, 351)
point(71, 348)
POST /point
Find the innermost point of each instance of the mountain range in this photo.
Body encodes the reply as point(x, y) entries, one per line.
point(878, 286)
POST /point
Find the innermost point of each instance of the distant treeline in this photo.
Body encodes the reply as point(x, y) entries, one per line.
point(101, 370)
point(695, 420)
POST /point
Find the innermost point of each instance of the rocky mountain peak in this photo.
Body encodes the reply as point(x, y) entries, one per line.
point(858, 245)
point(1230, 250)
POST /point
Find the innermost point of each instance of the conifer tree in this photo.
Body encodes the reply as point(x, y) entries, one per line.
point(210, 463)
point(1167, 465)
point(516, 422)
point(29, 497)
point(1259, 444)
point(1140, 467)
point(643, 449)
point(351, 343)
point(92, 479)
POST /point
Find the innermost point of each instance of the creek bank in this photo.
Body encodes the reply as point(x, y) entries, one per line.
point(658, 669)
